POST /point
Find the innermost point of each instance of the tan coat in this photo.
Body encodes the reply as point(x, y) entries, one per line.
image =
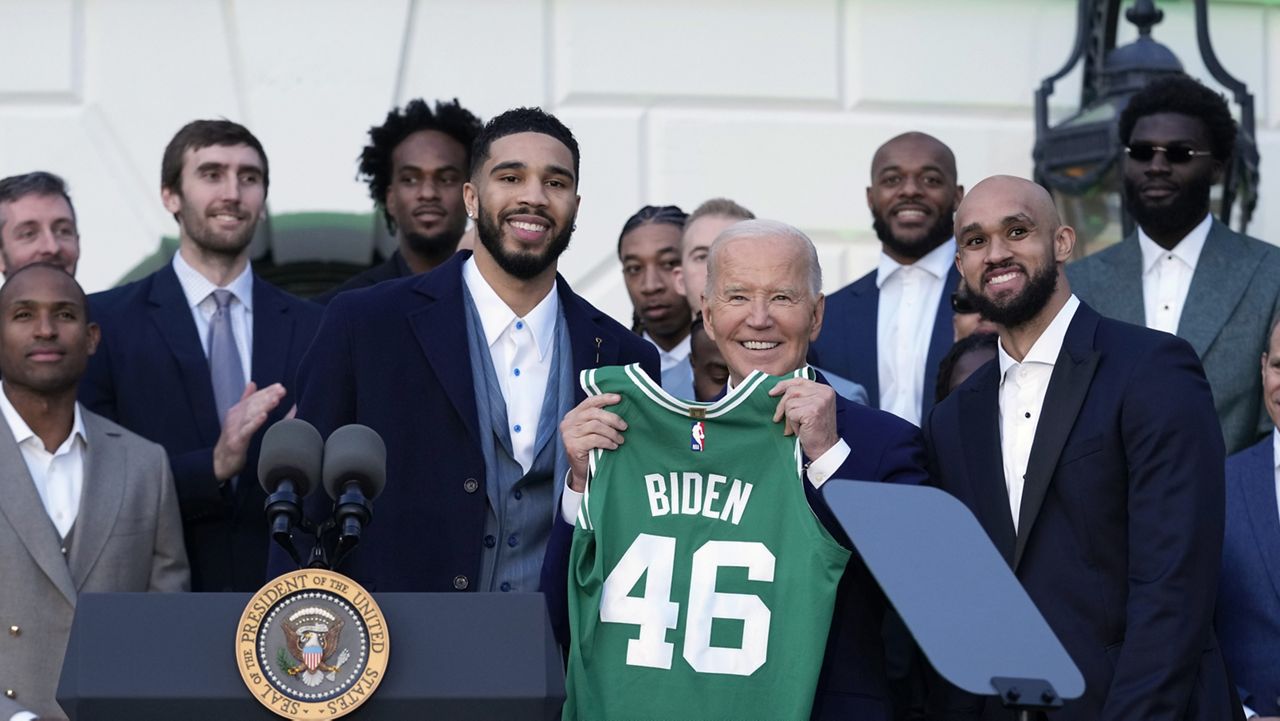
point(127, 537)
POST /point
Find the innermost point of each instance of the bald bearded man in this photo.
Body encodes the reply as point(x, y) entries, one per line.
point(1091, 454)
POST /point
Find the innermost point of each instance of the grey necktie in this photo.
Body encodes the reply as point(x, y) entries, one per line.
point(224, 358)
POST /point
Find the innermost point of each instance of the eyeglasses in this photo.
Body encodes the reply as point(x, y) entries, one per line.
point(961, 304)
point(1178, 154)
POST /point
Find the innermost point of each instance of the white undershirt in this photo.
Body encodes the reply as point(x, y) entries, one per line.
point(58, 476)
point(1166, 275)
point(521, 349)
point(1022, 390)
point(669, 359)
point(909, 297)
point(199, 293)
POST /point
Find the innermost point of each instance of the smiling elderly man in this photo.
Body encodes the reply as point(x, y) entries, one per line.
point(762, 307)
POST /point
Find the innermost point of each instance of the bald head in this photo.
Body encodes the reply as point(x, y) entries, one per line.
point(45, 334)
point(42, 273)
point(1013, 193)
point(1011, 246)
point(915, 142)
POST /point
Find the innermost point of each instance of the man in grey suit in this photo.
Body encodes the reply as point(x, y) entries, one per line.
point(88, 506)
point(1183, 271)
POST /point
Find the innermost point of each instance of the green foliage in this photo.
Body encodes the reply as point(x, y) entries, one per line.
point(284, 661)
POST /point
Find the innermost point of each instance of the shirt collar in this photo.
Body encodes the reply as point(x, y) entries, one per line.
point(1187, 250)
point(937, 262)
point(677, 353)
point(22, 432)
point(196, 287)
point(1047, 347)
point(496, 316)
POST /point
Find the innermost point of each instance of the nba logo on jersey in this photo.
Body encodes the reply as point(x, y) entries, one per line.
point(697, 437)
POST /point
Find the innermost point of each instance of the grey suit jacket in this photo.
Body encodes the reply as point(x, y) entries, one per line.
point(1233, 300)
point(127, 537)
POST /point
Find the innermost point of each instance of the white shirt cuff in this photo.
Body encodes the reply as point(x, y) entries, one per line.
point(570, 502)
point(828, 463)
point(23, 716)
point(1248, 712)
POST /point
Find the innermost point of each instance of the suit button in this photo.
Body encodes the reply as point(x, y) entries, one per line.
point(64, 550)
point(15, 631)
point(10, 693)
point(471, 485)
point(461, 582)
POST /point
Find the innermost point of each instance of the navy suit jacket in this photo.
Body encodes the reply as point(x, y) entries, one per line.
point(847, 344)
point(394, 357)
point(1120, 536)
point(852, 682)
point(1248, 613)
point(150, 375)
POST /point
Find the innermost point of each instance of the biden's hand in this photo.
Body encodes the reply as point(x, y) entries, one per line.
point(807, 410)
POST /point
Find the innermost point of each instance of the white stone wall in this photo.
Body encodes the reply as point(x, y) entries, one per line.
point(778, 105)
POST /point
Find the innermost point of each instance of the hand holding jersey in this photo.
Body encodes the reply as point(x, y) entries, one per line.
point(763, 306)
point(806, 408)
point(697, 565)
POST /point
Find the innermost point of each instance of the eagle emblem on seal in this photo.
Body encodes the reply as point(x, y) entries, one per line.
point(311, 636)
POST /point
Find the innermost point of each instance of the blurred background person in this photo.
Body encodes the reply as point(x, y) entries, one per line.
point(649, 248)
point(890, 328)
point(415, 165)
point(37, 223)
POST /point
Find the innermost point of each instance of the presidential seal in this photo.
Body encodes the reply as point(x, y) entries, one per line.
point(312, 644)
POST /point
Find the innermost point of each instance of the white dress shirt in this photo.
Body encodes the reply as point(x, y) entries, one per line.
point(1166, 275)
point(59, 476)
point(909, 296)
point(1022, 390)
point(521, 349)
point(669, 359)
point(819, 471)
point(199, 293)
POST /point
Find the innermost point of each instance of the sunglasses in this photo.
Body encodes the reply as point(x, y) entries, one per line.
point(961, 304)
point(1178, 154)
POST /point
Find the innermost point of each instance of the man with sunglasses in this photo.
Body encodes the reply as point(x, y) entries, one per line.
point(1183, 271)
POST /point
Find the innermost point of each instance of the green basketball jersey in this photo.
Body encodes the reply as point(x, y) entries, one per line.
point(701, 584)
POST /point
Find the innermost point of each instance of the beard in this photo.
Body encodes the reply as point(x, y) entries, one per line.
point(1022, 307)
point(522, 265)
point(1177, 214)
point(202, 233)
point(439, 246)
point(935, 235)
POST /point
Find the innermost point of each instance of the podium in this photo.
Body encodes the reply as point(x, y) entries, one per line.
point(153, 656)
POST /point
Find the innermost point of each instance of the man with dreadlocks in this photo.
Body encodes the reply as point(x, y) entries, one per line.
point(649, 248)
point(415, 165)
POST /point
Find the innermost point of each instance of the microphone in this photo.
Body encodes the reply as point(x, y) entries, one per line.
point(355, 472)
point(288, 467)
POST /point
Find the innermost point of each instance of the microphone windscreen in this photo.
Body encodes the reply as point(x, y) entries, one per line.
point(355, 453)
point(292, 449)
